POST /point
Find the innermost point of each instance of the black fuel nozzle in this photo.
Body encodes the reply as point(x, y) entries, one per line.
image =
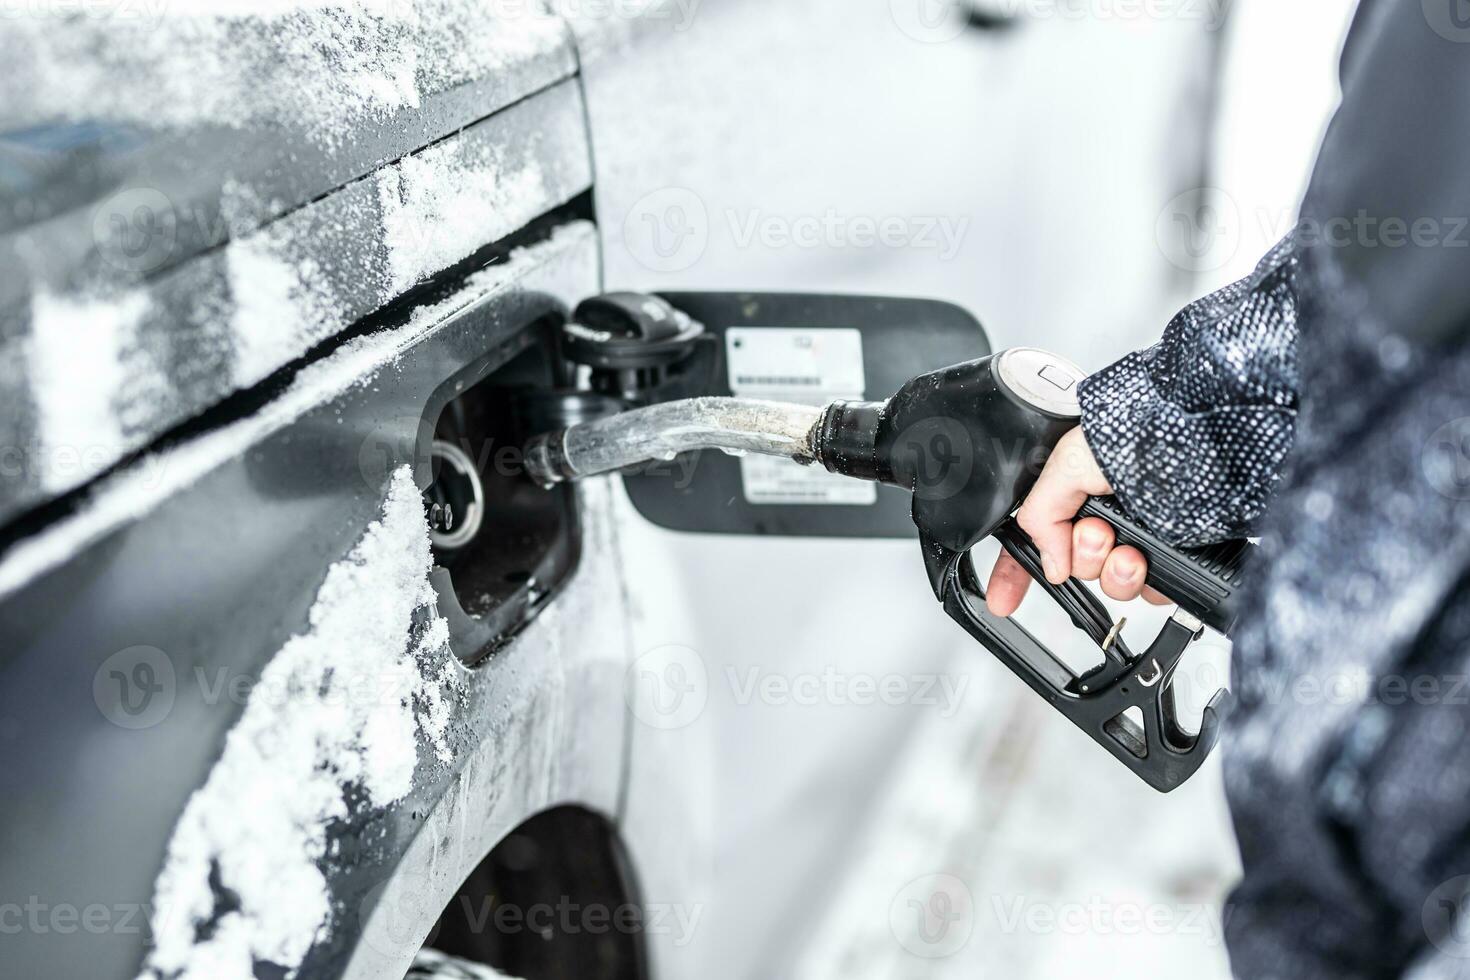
point(969, 442)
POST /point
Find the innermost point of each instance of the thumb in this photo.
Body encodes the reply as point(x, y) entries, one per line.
point(1070, 476)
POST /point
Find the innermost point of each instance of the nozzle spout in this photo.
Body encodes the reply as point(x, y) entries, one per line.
point(739, 425)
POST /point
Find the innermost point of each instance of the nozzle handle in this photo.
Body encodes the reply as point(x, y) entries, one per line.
point(1160, 751)
point(1205, 582)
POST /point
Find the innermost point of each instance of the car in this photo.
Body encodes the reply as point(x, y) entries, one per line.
point(279, 281)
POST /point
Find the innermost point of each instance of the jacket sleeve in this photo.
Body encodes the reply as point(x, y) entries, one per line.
point(1193, 432)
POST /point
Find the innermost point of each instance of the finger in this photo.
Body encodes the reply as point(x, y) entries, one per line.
point(1008, 585)
point(1070, 475)
point(1092, 539)
point(1156, 597)
point(1047, 517)
point(1123, 574)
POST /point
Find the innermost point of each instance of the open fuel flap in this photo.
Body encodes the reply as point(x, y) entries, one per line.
point(503, 543)
point(634, 350)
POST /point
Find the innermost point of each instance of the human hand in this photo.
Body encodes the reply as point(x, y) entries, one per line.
point(1086, 549)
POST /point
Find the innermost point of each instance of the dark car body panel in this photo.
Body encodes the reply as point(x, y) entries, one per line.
point(106, 203)
point(218, 572)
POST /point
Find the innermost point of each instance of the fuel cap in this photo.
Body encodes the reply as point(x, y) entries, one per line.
point(629, 330)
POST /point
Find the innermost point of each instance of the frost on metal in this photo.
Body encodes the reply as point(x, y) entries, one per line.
point(282, 307)
point(442, 204)
point(325, 66)
point(736, 425)
point(109, 370)
point(77, 360)
point(307, 276)
point(343, 705)
point(288, 105)
point(136, 491)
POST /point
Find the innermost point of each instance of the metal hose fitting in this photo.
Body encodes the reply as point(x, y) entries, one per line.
point(736, 425)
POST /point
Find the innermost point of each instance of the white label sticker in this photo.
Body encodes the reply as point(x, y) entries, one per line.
point(812, 366)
